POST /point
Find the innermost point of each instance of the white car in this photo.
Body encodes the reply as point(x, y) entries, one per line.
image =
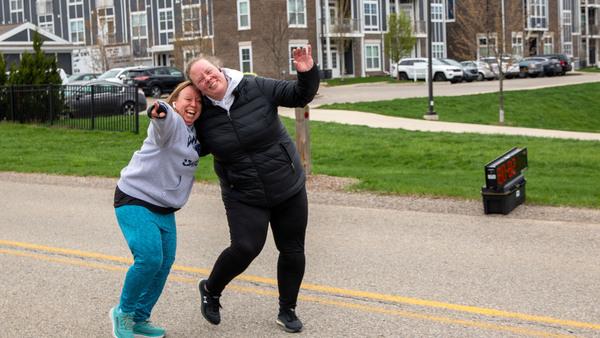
point(416, 68)
point(117, 75)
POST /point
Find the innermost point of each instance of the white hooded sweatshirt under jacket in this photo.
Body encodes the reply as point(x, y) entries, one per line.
point(162, 171)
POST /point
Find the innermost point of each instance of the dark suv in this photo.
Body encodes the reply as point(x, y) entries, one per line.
point(563, 59)
point(155, 81)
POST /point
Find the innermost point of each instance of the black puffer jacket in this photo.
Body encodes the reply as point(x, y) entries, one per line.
point(254, 157)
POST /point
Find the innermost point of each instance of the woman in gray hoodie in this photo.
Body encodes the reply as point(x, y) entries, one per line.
point(156, 183)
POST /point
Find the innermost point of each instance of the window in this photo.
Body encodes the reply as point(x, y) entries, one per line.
point(371, 15)
point(291, 46)
point(486, 45)
point(45, 15)
point(437, 50)
point(296, 13)
point(76, 31)
point(517, 44)
point(192, 22)
point(548, 40)
point(245, 57)
point(567, 32)
point(165, 26)
point(537, 14)
point(106, 25)
point(16, 10)
point(139, 33)
point(243, 12)
point(450, 10)
point(372, 57)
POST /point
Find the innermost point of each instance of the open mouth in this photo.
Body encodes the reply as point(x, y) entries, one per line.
point(190, 113)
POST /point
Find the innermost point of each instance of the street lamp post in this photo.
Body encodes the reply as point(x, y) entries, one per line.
point(431, 114)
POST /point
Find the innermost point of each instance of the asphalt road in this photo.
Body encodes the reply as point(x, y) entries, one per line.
point(377, 267)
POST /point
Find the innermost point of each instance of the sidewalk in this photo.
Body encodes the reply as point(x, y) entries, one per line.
point(382, 121)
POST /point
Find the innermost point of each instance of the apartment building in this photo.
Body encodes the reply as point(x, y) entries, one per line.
point(347, 35)
point(531, 27)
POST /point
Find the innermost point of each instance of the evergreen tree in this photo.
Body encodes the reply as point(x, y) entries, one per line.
point(35, 69)
point(2, 70)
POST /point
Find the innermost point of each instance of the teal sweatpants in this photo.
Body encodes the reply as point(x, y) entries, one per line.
point(152, 239)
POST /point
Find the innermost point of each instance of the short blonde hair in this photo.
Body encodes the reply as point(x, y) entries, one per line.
point(211, 59)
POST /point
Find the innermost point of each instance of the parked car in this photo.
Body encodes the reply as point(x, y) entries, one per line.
point(469, 72)
point(155, 81)
point(416, 68)
point(565, 61)
point(82, 77)
point(512, 71)
point(118, 75)
point(108, 98)
point(539, 66)
point(484, 71)
point(508, 63)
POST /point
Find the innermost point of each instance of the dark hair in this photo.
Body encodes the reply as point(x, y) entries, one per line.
point(211, 59)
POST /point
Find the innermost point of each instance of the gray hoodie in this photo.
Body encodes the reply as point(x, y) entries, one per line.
point(162, 171)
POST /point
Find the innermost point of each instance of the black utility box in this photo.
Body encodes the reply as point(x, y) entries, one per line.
point(504, 202)
point(505, 183)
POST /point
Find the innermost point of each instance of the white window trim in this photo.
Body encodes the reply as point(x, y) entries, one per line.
point(294, 44)
point(373, 44)
point(519, 45)
point(545, 38)
point(166, 30)
point(239, 18)
point(145, 16)
point(447, 7)
point(241, 46)
point(304, 25)
point(493, 47)
point(71, 32)
point(198, 8)
point(376, 27)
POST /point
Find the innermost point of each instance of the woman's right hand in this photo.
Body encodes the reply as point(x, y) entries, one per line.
point(157, 111)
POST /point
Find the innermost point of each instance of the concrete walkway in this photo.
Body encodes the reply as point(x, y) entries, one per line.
point(382, 121)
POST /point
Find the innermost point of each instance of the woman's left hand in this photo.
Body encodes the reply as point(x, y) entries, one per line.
point(303, 58)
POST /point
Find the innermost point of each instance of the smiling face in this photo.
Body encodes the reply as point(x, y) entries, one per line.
point(188, 104)
point(209, 79)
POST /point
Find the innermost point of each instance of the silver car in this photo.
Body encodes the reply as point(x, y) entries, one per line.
point(484, 71)
point(103, 98)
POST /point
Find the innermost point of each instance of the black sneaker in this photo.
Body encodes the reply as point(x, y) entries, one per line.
point(210, 304)
point(289, 321)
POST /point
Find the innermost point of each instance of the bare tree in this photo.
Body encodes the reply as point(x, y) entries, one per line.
point(487, 30)
point(275, 38)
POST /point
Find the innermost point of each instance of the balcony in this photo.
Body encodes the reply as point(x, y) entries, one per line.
point(344, 27)
point(594, 31)
point(420, 28)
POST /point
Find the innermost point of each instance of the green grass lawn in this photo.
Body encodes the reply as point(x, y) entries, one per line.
point(574, 107)
point(561, 172)
point(590, 69)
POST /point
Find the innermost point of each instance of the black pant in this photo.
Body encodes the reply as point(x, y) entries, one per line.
point(248, 226)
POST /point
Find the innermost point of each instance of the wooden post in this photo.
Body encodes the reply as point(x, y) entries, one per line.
point(303, 137)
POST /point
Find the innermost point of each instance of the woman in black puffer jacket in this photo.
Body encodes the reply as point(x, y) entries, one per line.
point(262, 178)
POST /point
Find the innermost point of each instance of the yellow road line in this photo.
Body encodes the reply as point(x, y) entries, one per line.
point(320, 300)
point(332, 290)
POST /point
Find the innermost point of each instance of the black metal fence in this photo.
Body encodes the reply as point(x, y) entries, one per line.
point(104, 106)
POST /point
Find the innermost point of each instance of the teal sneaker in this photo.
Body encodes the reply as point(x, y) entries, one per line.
point(147, 329)
point(122, 323)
